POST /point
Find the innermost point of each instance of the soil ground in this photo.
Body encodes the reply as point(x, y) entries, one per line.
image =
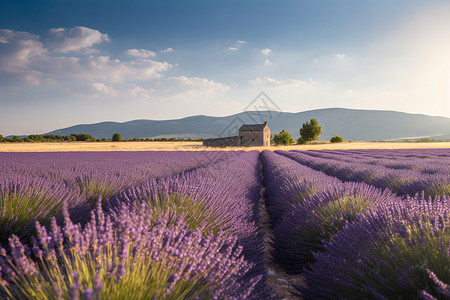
point(197, 146)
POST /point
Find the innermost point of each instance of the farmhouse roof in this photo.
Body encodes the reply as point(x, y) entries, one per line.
point(252, 127)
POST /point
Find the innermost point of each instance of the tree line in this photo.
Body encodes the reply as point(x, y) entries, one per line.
point(83, 137)
point(309, 132)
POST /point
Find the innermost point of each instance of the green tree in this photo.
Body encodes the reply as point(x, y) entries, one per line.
point(310, 131)
point(1, 138)
point(116, 137)
point(336, 139)
point(16, 139)
point(283, 138)
point(70, 138)
point(81, 137)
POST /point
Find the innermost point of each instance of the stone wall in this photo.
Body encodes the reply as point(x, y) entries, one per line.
point(232, 141)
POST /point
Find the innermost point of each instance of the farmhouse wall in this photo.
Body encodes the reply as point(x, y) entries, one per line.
point(249, 135)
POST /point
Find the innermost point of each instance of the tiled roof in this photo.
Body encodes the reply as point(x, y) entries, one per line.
point(252, 127)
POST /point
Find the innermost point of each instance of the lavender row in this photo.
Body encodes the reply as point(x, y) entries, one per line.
point(310, 207)
point(130, 255)
point(398, 251)
point(222, 197)
point(354, 241)
point(195, 234)
point(433, 161)
point(401, 182)
point(33, 186)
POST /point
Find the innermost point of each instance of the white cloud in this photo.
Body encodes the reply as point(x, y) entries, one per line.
point(137, 91)
point(341, 56)
point(18, 51)
point(106, 69)
point(233, 49)
point(73, 39)
point(97, 89)
point(241, 42)
point(167, 50)
point(182, 86)
point(23, 57)
point(141, 53)
point(100, 89)
point(271, 83)
point(266, 51)
point(267, 63)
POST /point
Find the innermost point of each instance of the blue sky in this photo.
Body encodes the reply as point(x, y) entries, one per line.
point(69, 62)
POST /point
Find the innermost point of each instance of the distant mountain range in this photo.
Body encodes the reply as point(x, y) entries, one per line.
point(351, 124)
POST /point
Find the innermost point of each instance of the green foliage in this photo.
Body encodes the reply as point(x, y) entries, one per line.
point(437, 188)
point(36, 138)
point(21, 208)
point(17, 139)
point(192, 211)
point(301, 141)
point(336, 139)
point(116, 137)
point(310, 131)
point(70, 138)
point(1, 138)
point(82, 137)
point(283, 138)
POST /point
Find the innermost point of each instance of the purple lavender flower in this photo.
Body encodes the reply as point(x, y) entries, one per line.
point(371, 257)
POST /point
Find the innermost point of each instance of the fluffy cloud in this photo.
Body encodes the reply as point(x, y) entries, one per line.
point(167, 50)
point(241, 42)
point(182, 86)
point(18, 52)
point(105, 68)
point(267, 63)
point(97, 89)
point(18, 49)
point(23, 57)
point(266, 51)
point(141, 53)
point(341, 56)
point(73, 39)
point(271, 83)
point(233, 49)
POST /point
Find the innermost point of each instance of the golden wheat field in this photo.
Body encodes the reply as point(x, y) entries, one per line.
point(197, 146)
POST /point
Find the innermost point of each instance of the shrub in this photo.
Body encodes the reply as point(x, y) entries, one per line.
point(83, 137)
point(283, 138)
point(336, 139)
point(17, 139)
point(116, 137)
point(390, 254)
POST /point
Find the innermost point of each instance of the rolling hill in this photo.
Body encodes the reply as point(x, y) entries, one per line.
point(351, 124)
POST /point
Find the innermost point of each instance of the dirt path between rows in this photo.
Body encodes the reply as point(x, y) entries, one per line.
point(280, 283)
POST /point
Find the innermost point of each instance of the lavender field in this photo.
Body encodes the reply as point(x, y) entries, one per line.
point(349, 224)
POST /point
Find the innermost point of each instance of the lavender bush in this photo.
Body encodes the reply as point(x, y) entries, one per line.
point(317, 218)
point(390, 254)
point(289, 183)
point(403, 181)
point(223, 196)
point(25, 200)
point(129, 257)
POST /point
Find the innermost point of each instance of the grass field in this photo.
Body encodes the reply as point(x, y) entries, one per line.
point(197, 146)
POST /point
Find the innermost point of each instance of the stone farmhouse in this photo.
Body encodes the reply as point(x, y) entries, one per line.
point(249, 135)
